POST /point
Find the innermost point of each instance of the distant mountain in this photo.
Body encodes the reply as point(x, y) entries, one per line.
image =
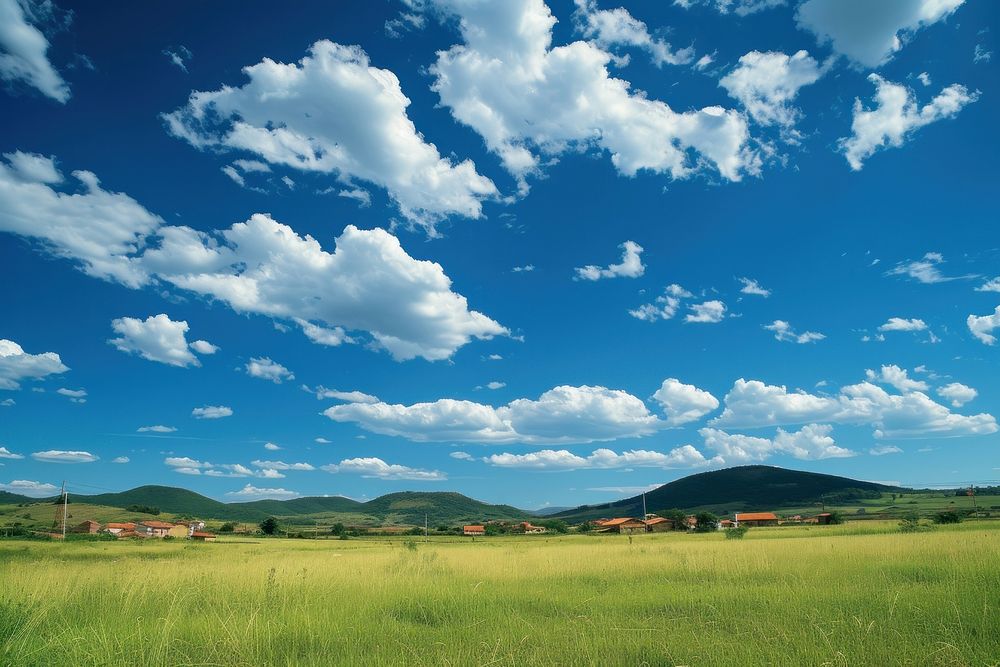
point(549, 511)
point(8, 498)
point(744, 488)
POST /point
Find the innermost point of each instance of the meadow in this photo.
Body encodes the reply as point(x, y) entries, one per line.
point(856, 594)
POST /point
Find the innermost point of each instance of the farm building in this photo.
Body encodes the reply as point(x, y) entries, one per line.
point(824, 519)
point(87, 526)
point(119, 528)
point(756, 519)
point(622, 525)
point(474, 530)
point(528, 529)
point(200, 536)
point(161, 529)
point(658, 524)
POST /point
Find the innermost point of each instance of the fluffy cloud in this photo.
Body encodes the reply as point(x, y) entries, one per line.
point(783, 331)
point(896, 377)
point(158, 338)
point(981, 326)
point(101, 230)
point(212, 412)
point(709, 312)
point(549, 459)
point(616, 27)
point(377, 468)
point(368, 283)
point(896, 116)
point(29, 488)
point(992, 285)
point(60, 456)
point(901, 324)
point(753, 287)
point(543, 100)
point(683, 403)
point(958, 393)
point(155, 429)
point(631, 265)
point(120, 459)
point(74, 395)
point(810, 442)
point(665, 306)
point(17, 365)
point(188, 466)
point(911, 415)
point(767, 83)
point(266, 369)
point(561, 415)
point(7, 454)
point(281, 465)
point(334, 113)
point(870, 33)
point(250, 492)
point(346, 396)
point(24, 49)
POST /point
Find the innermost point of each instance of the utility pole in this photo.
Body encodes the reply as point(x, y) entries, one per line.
point(975, 507)
point(65, 508)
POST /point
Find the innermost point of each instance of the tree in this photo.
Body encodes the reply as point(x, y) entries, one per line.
point(227, 527)
point(836, 518)
point(494, 529)
point(706, 522)
point(585, 527)
point(337, 529)
point(269, 526)
point(678, 518)
point(555, 525)
point(736, 533)
point(951, 516)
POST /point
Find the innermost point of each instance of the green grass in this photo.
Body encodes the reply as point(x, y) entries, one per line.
point(857, 594)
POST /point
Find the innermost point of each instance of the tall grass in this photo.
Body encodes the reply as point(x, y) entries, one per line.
point(836, 596)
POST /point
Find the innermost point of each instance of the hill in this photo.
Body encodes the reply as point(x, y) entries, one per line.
point(743, 488)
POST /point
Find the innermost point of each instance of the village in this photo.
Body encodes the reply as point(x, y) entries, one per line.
point(193, 530)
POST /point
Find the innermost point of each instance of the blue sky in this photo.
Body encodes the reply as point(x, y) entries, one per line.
point(541, 254)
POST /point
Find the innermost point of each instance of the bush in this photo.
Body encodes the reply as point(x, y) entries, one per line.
point(836, 518)
point(227, 527)
point(585, 527)
point(736, 533)
point(269, 526)
point(911, 524)
point(706, 522)
point(555, 525)
point(951, 516)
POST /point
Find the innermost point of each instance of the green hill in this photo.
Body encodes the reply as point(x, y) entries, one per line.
point(410, 507)
point(743, 488)
point(8, 498)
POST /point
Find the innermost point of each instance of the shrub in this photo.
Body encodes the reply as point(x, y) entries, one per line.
point(836, 518)
point(269, 526)
point(585, 527)
point(227, 527)
point(951, 516)
point(706, 522)
point(736, 533)
point(143, 509)
point(911, 524)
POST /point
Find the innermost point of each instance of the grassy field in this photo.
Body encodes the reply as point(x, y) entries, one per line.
point(857, 594)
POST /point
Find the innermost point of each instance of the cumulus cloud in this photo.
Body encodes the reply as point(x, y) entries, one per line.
point(158, 428)
point(543, 100)
point(281, 465)
point(896, 377)
point(250, 492)
point(188, 466)
point(664, 307)
point(896, 116)
point(61, 456)
point(17, 365)
point(158, 338)
point(766, 84)
point(271, 447)
point(709, 312)
point(870, 33)
point(631, 265)
point(753, 287)
point(120, 459)
point(24, 49)
point(74, 395)
point(783, 331)
point(992, 285)
point(372, 467)
point(462, 456)
point(608, 28)
point(902, 324)
point(683, 403)
point(212, 412)
point(548, 459)
point(334, 113)
point(267, 369)
point(809, 443)
point(752, 403)
point(30, 488)
point(7, 454)
point(564, 414)
point(982, 326)
point(958, 393)
point(346, 396)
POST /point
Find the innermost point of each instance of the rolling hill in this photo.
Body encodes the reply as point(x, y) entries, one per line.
point(744, 488)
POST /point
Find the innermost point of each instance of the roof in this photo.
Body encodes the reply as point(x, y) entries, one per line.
point(756, 516)
point(157, 524)
point(90, 522)
point(128, 533)
point(474, 528)
point(619, 521)
point(824, 514)
point(656, 520)
point(123, 526)
point(202, 534)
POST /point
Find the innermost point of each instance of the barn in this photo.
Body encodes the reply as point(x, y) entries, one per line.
point(756, 519)
point(625, 525)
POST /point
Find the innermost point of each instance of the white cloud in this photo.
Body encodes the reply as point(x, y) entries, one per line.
point(544, 100)
point(811, 442)
point(158, 338)
point(958, 393)
point(982, 326)
point(462, 456)
point(188, 466)
point(74, 395)
point(7, 454)
point(752, 403)
point(346, 396)
point(281, 465)
point(981, 55)
point(527, 268)
point(362, 196)
point(23, 49)
point(664, 307)
point(685, 456)
point(60, 456)
point(783, 331)
point(885, 449)
point(631, 265)
point(102, 230)
point(870, 33)
point(212, 412)
point(738, 7)
point(333, 113)
point(702, 63)
point(322, 441)
point(17, 365)
point(179, 56)
point(267, 369)
point(924, 78)
point(896, 116)
point(766, 84)
point(8, 402)
point(901, 324)
point(29, 488)
point(992, 285)
point(250, 492)
point(156, 429)
point(616, 27)
point(120, 459)
point(897, 377)
point(271, 447)
point(372, 467)
point(709, 312)
point(753, 287)
point(925, 270)
point(495, 385)
point(683, 403)
point(331, 337)
point(561, 415)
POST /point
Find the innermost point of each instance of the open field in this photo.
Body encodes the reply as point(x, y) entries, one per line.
point(857, 594)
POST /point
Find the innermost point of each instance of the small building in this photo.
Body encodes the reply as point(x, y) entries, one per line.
point(201, 536)
point(119, 528)
point(528, 529)
point(824, 519)
point(126, 534)
point(158, 529)
point(658, 524)
point(87, 526)
point(474, 530)
point(725, 523)
point(624, 525)
point(756, 519)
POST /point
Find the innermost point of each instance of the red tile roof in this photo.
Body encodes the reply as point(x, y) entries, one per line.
point(655, 520)
point(202, 534)
point(123, 526)
point(157, 524)
point(619, 521)
point(757, 516)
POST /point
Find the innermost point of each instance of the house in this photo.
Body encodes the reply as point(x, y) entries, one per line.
point(125, 534)
point(161, 529)
point(756, 519)
point(824, 519)
point(200, 536)
point(528, 529)
point(658, 524)
point(192, 526)
point(624, 525)
point(725, 523)
point(119, 528)
point(474, 530)
point(87, 526)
